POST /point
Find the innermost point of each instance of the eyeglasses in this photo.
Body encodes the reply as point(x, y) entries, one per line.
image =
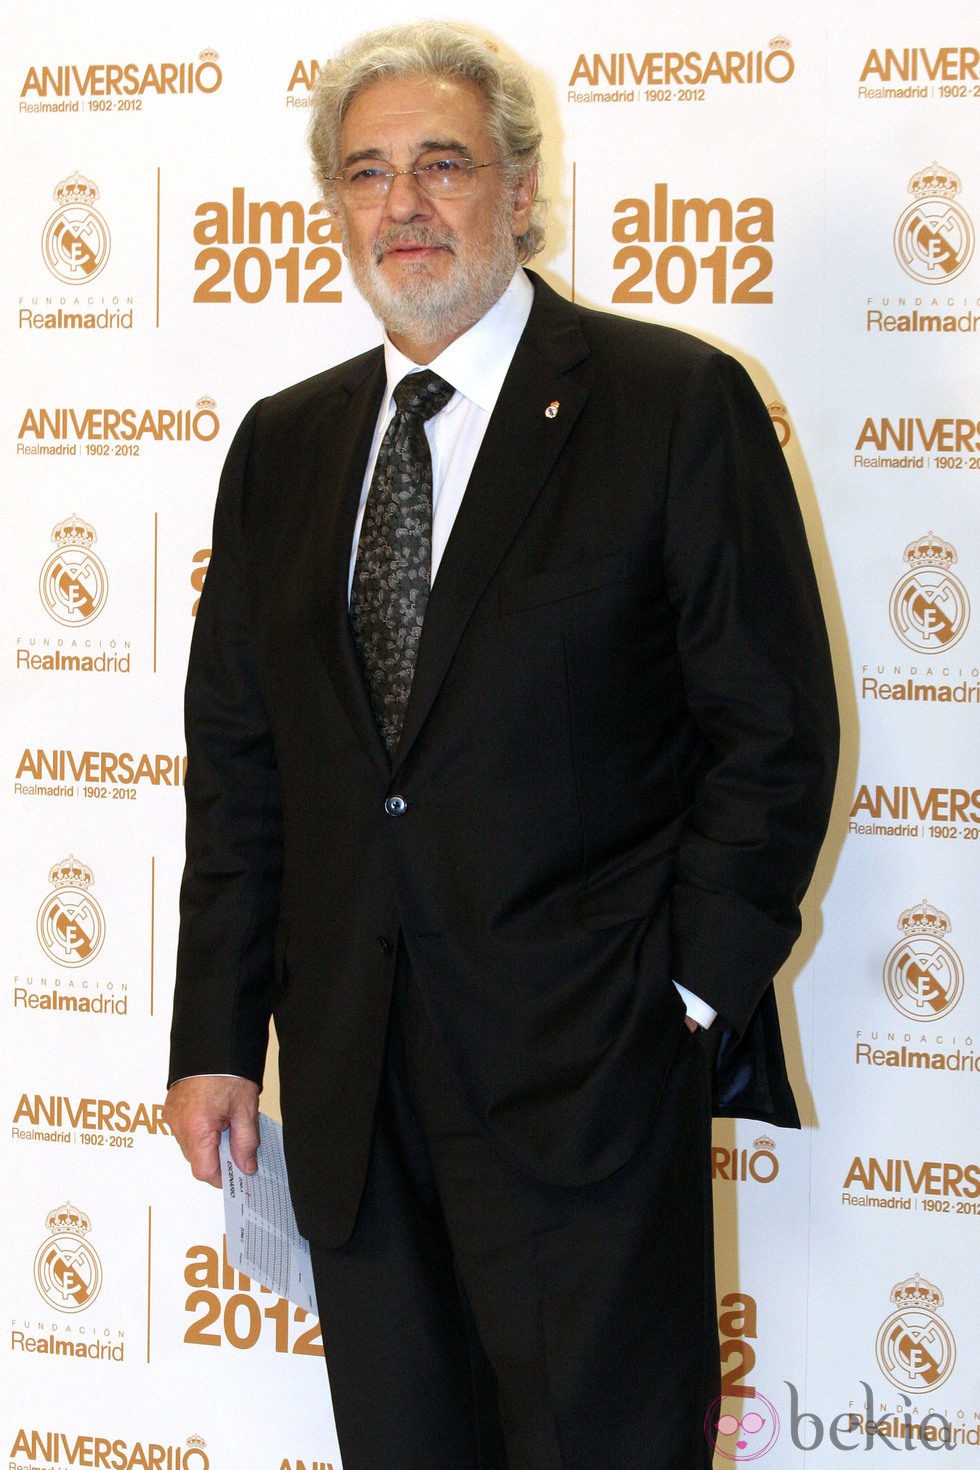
point(438, 175)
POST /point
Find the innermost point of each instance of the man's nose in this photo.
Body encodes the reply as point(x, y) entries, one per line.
point(406, 198)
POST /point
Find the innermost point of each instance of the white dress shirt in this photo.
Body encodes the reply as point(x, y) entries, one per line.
point(476, 364)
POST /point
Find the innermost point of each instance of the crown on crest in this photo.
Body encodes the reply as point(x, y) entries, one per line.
point(925, 918)
point(66, 1218)
point(915, 1291)
point(934, 179)
point(76, 189)
point(71, 873)
point(930, 550)
point(73, 531)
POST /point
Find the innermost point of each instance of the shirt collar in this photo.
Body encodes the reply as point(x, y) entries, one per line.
point(476, 362)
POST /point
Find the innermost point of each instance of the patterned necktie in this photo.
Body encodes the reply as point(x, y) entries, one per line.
point(394, 554)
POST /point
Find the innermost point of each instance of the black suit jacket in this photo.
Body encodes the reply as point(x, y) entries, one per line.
point(616, 763)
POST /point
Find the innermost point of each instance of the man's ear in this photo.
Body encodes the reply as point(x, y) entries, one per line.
point(524, 196)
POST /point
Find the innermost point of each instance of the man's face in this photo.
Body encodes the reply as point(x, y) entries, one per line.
point(429, 268)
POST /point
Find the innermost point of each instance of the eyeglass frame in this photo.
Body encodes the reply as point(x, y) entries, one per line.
point(387, 175)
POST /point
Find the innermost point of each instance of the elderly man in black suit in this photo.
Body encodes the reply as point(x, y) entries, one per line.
point(511, 735)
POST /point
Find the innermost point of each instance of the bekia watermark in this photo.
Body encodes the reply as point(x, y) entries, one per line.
point(742, 1429)
point(746, 1429)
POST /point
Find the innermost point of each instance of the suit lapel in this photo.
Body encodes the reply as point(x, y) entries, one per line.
point(343, 440)
point(520, 447)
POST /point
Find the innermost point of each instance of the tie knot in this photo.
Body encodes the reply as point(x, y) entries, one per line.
point(423, 394)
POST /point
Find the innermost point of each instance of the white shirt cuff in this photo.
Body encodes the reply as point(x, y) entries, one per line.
point(697, 1009)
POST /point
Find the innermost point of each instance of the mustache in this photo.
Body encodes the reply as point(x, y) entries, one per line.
point(419, 235)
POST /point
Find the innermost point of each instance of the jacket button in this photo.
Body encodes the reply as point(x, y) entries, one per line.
point(396, 806)
point(385, 945)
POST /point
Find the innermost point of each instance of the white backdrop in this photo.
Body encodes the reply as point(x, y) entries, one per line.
point(799, 183)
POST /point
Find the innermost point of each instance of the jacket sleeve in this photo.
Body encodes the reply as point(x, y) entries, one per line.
point(230, 891)
point(759, 683)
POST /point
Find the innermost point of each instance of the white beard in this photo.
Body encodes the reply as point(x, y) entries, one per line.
point(428, 310)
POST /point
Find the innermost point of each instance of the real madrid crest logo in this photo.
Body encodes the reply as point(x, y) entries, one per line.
point(929, 607)
point(75, 241)
point(73, 582)
point(915, 1349)
point(934, 236)
point(923, 975)
point(67, 1269)
point(70, 924)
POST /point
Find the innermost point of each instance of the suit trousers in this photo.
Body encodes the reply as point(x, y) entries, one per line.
point(478, 1319)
